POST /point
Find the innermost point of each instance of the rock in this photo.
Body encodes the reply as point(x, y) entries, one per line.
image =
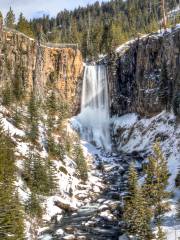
point(124, 237)
point(107, 215)
point(65, 206)
point(89, 224)
point(101, 200)
point(114, 195)
point(103, 207)
point(113, 205)
point(69, 229)
point(142, 62)
point(81, 196)
point(69, 237)
point(81, 238)
point(60, 232)
point(96, 189)
point(20, 55)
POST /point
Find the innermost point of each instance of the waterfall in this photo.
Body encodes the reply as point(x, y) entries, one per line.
point(94, 115)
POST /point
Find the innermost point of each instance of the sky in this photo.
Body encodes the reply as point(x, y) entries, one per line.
point(35, 8)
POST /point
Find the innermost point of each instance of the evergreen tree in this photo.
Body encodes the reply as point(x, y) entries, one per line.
point(11, 211)
point(137, 215)
point(24, 26)
point(33, 132)
point(1, 20)
point(10, 19)
point(160, 234)
point(17, 118)
point(132, 181)
point(156, 182)
point(81, 162)
point(51, 104)
point(7, 97)
point(33, 207)
point(39, 175)
point(98, 28)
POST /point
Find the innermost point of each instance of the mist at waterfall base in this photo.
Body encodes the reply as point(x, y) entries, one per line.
point(93, 120)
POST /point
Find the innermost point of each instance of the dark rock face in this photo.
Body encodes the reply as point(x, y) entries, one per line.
point(144, 75)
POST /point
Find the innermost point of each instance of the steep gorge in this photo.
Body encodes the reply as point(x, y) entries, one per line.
point(143, 80)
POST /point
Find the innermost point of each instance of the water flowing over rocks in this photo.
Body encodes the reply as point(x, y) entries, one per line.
point(99, 218)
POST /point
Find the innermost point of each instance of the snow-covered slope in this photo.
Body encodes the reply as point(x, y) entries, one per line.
point(135, 134)
point(71, 191)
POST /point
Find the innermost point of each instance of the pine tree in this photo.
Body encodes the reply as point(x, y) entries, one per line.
point(24, 26)
point(33, 207)
point(137, 215)
point(160, 234)
point(51, 104)
point(156, 182)
point(132, 181)
point(1, 21)
point(7, 97)
point(39, 174)
point(11, 211)
point(17, 118)
point(33, 132)
point(10, 19)
point(33, 109)
point(81, 162)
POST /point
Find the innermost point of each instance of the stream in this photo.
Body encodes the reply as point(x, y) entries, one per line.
point(99, 219)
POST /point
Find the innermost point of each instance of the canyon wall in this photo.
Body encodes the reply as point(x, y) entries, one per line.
point(23, 61)
point(144, 75)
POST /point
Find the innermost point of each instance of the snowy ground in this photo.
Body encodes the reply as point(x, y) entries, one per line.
point(68, 181)
point(133, 133)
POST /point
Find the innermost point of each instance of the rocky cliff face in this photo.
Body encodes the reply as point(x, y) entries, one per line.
point(22, 60)
point(144, 75)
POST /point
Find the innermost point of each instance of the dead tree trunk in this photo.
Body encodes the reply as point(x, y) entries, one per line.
point(164, 16)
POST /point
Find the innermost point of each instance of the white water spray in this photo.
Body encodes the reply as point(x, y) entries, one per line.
point(94, 116)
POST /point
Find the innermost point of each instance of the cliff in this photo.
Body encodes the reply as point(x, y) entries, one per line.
point(23, 61)
point(144, 75)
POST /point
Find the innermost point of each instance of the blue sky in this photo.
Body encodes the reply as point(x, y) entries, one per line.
point(32, 8)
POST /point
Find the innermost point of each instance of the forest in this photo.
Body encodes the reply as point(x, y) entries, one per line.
point(97, 28)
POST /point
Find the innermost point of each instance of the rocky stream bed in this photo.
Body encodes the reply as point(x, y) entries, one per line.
point(101, 218)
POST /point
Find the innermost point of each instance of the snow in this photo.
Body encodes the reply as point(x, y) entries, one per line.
point(60, 232)
point(51, 209)
point(124, 121)
point(46, 237)
point(139, 135)
point(107, 215)
point(174, 12)
point(122, 48)
point(10, 128)
point(66, 182)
